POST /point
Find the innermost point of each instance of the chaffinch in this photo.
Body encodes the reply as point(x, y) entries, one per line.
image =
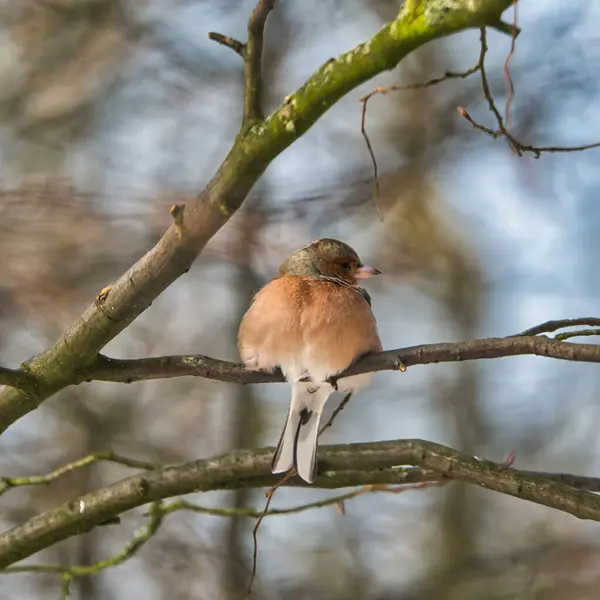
point(313, 320)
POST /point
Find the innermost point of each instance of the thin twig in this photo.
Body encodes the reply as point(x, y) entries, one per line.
point(502, 131)
point(335, 413)
point(338, 500)
point(507, 28)
point(552, 326)
point(537, 151)
point(229, 42)
point(463, 113)
point(394, 88)
point(510, 94)
point(363, 130)
point(515, 145)
point(253, 513)
point(7, 483)
point(485, 86)
point(65, 586)
point(253, 61)
point(68, 572)
point(420, 85)
point(581, 333)
point(270, 494)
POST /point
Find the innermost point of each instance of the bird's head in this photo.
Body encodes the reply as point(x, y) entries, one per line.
point(328, 258)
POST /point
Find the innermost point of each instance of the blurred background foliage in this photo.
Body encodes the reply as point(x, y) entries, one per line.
point(110, 109)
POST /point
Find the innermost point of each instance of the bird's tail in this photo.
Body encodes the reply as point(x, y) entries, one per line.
point(297, 445)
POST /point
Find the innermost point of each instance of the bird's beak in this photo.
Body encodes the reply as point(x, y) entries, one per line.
point(365, 272)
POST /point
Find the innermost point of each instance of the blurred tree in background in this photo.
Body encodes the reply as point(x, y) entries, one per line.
point(110, 110)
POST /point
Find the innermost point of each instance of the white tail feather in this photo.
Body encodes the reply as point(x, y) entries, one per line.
point(297, 445)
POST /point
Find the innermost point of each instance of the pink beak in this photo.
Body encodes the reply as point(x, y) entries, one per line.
point(365, 272)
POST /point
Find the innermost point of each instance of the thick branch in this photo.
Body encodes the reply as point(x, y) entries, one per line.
point(164, 367)
point(253, 150)
point(339, 466)
point(139, 539)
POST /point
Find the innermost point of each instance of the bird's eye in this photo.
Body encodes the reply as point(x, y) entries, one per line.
point(346, 266)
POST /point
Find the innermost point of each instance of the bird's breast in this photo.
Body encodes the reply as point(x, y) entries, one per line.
point(307, 326)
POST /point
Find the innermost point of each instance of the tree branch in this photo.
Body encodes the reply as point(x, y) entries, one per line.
point(339, 466)
point(228, 42)
point(7, 483)
point(141, 536)
point(552, 326)
point(164, 367)
point(16, 378)
point(507, 28)
point(567, 335)
point(251, 52)
point(253, 62)
point(396, 88)
point(158, 511)
point(253, 150)
point(198, 365)
point(503, 129)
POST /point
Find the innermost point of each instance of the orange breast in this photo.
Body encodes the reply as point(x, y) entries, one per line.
point(307, 325)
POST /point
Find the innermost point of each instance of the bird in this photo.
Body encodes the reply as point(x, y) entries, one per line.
point(312, 320)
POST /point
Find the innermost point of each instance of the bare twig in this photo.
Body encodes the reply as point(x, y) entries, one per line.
point(229, 42)
point(485, 86)
point(463, 113)
point(581, 333)
point(507, 28)
point(420, 85)
point(509, 82)
point(270, 493)
point(394, 88)
point(69, 572)
point(253, 61)
point(251, 52)
point(7, 483)
point(253, 513)
point(365, 135)
point(335, 413)
point(554, 325)
point(537, 151)
point(502, 131)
